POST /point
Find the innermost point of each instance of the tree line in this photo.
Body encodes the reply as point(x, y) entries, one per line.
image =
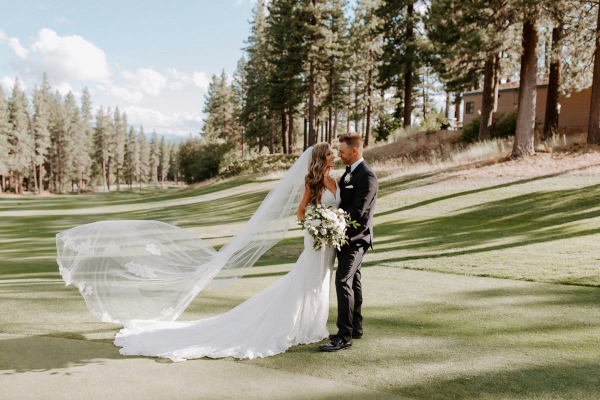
point(312, 68)
point(53, 144)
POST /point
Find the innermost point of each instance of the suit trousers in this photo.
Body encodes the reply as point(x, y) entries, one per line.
point(349, 290)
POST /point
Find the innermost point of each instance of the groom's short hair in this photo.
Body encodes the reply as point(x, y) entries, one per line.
point(352, 140)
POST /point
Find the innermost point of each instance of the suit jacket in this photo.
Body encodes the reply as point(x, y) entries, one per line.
point(358, 197)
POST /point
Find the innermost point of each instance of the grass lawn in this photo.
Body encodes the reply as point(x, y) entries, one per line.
point(497, 282)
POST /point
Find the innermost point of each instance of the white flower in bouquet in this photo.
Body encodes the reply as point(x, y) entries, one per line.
point(327, 226)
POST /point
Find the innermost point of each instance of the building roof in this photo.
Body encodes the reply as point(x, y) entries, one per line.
point(509, 87)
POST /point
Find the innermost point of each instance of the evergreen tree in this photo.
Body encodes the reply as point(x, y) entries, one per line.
point(219, 105)
point(174, 162)
point(5, 133)
point(77, 151)
point(240, 90)
point(102, 141)
point(144, 163)
point(286, 53)
point(88, 136)
point(255, 114)
point(132, 157)
point(154, 157)
point(40, 128)
point(524, 134)
point(403, 47)
point(120, 134)
point(20, 139)
point(165, 156)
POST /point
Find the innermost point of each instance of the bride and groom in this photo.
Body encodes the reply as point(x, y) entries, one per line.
point(143, 274)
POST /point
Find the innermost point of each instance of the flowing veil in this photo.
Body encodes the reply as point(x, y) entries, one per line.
point(150, 270)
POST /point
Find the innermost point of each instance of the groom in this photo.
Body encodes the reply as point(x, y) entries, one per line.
point(358, 195)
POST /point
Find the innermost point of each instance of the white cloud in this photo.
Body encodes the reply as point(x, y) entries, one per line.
point(176, 123)
point(2, 35)
point(63, 20)
point(69, 58)
point(64, 88)
point(19, 50)
point(201, 79)
point(147, 80)
point(8, 84)
point(130, 96)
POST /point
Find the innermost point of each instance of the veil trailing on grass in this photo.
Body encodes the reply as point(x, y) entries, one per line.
point(150, 270)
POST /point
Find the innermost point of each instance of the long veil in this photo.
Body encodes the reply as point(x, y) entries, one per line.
point(150, 270)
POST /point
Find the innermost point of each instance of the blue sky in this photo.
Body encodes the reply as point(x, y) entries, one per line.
point(153, 59)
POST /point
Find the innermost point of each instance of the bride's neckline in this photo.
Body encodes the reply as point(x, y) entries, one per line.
point(336, 188)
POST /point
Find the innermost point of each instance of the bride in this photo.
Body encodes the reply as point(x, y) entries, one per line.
point(143, 274)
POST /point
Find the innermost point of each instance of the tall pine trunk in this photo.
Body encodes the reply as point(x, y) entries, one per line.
point(104, 175)
point(408, 75)
point(594, 121)
point(551, 117)
point(447, 112)
point(41, 175)
point(305, 134)
point(524, 135)
point(271, 138)
point(369, 100)
point(284, 132)
point(457, 101)
point(108, 174)
point(489, 97)
point(119, 178)
point(335, 124)
point(291, 130)
point(35, 182)
point(79, 177)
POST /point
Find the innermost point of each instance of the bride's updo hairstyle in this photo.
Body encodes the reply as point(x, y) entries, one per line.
point(315, 179)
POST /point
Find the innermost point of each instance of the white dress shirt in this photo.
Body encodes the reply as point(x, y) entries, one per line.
point(353, 166)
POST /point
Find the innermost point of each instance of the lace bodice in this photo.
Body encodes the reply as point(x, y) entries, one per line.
point(328, 199)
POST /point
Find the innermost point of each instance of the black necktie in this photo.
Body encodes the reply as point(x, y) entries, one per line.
point(348, 169)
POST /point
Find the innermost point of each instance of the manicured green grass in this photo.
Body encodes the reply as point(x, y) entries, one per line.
point(433, 317)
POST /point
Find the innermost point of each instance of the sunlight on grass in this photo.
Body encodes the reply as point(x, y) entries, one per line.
point(425, 332)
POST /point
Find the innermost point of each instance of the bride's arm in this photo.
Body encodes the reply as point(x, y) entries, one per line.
point(303, 203)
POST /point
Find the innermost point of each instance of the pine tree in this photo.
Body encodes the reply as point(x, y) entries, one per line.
point(154, 157)
point(102, 142)
point(165, 156)
point(75, 149)
point(219, 105)
point(594, 119)
point(255, 114)
point(524, 134)
point(88, 137)
point(132, 157)
point(174, 162)
point(40, 128)
point(468, 39)
point(120, 134)
point(5, 132)
point(20, 139)
point(144, 163)
point(240, 90)
point(286, 53)
point(403, 47)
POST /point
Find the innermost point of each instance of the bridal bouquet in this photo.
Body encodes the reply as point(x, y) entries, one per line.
point(327, 225)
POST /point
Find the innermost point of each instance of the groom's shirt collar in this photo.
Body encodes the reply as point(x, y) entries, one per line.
point(353, 166)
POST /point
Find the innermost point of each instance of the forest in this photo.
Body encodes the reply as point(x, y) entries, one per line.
point(312, 70)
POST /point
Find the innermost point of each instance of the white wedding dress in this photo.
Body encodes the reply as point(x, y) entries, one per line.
point(291, 311)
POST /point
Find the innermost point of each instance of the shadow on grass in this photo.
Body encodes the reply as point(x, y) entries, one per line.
point(531, 218)
point(42, 353)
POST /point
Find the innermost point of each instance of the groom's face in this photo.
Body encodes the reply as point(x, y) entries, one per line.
point(346, 153)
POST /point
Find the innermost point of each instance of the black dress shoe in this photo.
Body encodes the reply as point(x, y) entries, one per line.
point(336, 344)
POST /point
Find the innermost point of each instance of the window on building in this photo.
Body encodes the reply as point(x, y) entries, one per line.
point(470, 107)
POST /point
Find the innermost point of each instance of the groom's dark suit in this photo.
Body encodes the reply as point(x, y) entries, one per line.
point(358, 197)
